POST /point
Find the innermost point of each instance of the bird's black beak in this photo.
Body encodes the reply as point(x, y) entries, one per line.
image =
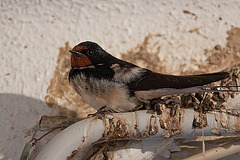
point(74, 52)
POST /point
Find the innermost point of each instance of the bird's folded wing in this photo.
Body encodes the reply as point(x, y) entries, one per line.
point(153, 81)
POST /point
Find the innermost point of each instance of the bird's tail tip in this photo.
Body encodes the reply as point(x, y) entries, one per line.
point(221, 88)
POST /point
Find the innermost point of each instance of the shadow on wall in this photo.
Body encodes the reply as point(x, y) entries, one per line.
point(22, 111)
point(14, 106)
point(19, 118)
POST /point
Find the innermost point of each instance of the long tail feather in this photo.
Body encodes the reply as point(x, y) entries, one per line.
point(221, 88)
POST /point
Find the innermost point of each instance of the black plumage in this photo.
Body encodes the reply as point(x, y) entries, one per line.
point(152, 80)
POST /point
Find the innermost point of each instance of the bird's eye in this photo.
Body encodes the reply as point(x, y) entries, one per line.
point(90, 52)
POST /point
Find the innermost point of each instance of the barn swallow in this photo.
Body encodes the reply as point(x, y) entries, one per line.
point(106, 81)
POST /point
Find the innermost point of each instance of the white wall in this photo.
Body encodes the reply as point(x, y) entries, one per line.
point(33, 30)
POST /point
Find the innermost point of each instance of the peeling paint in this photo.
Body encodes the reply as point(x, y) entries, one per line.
point(224, 117)
point(171, 125)
point(116, 129)
point(199, 121)
point(224, 122)
point(72, 155)
point(53, 121)
point(153, 128)
point(237, 125)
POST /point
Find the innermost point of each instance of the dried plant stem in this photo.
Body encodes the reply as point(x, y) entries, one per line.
point(203, 144)
point(201, 117)
point(218, 152)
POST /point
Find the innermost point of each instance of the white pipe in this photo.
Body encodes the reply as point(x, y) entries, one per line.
point(77, 139)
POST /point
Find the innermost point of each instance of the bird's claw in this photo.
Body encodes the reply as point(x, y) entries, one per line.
point(100, 112)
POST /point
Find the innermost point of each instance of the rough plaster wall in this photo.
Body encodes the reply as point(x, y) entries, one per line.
point(33, 31)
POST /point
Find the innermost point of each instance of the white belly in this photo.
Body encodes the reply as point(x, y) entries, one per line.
point(99, 93)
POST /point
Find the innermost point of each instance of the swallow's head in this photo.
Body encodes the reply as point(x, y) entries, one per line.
point(87, 53)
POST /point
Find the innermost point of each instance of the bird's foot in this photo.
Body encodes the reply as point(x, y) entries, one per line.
point(138, 107)
point(142, 107)
point(100, 112)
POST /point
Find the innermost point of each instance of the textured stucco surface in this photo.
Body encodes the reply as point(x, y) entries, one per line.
point(32, 31)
